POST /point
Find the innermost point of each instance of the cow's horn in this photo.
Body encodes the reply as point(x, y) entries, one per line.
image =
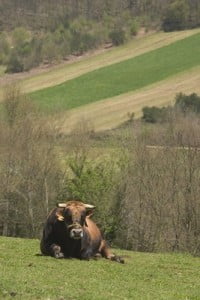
point(89, 206)
point(61, 205)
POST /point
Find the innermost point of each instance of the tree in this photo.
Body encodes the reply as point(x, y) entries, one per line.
point(4, 48)
point(117, 36)
point(176, 16)
point(188, 103)
point(155, 114)
point(14, 64)
point(29, 170)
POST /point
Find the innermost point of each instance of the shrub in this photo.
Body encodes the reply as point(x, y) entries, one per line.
point(20, 36)
point(176, 16)
point(190, 103)
point(134, 27)
point(117, 36)
point(92, 180)
point(14, 65)
point(155, 114)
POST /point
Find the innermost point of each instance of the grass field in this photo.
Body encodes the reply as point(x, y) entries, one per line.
point(144, 276)
point(51, 76)
point(123, 77)
point(109, 113)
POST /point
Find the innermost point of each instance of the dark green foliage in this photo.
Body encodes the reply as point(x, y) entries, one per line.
point(188, 103)
point(14, 64)
point(184, 103)
point(117, 36)
point(176, 16)
point(134, 27)
point(95, 181)
point(155, 114)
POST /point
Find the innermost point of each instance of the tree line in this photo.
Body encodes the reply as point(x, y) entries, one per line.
point(49, 14)
point(147, 198)
point(35, 32)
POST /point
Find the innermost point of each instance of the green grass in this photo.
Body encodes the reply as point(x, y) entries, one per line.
point(144, 276)
point(119, 78)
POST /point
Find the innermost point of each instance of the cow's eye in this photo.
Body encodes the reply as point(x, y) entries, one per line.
point(69, 219)
point(83, 218)
point(68, 215)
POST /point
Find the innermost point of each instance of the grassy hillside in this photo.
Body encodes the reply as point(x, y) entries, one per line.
point(128, 75)
point(46, 77)
point(109, 113)
point(24, 275)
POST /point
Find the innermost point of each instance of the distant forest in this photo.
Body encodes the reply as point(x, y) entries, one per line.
point(37, 31)
point(37, 14)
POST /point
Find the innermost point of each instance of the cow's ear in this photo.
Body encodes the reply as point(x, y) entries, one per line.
point(89, 209)
point(59, 216)
point(89, 212)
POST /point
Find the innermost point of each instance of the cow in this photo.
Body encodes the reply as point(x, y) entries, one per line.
point(70, 232)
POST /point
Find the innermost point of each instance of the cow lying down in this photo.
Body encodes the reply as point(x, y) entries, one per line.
point(70, 232)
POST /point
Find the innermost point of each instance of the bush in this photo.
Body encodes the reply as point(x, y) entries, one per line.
point(190, 103)
point(134, 27)
point(176, 16)
point(14, 65)
point(155, 114)
point(92, 180)
point(20, 36)
point(117, 36)
point(49, 51)
point(185, 104)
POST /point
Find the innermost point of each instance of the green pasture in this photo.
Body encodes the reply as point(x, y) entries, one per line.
point(144, 276)
point(122, 77)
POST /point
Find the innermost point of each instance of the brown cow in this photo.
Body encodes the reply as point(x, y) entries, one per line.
point(70, 232)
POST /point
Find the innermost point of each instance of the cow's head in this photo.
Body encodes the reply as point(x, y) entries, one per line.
point(73, 214)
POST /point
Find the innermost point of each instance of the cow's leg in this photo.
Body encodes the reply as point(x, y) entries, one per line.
point(51, 249)
point(106, 252)
point(86, 254)
point(56, 252)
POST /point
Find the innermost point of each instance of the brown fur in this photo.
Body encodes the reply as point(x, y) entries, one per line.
point(58, 240)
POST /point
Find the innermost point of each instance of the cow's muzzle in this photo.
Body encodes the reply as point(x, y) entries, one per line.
point(76, 232)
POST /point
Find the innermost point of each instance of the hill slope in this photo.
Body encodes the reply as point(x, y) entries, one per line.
point(144, 276)
point(46, 77)
point(119, 78)
point(109, 113)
